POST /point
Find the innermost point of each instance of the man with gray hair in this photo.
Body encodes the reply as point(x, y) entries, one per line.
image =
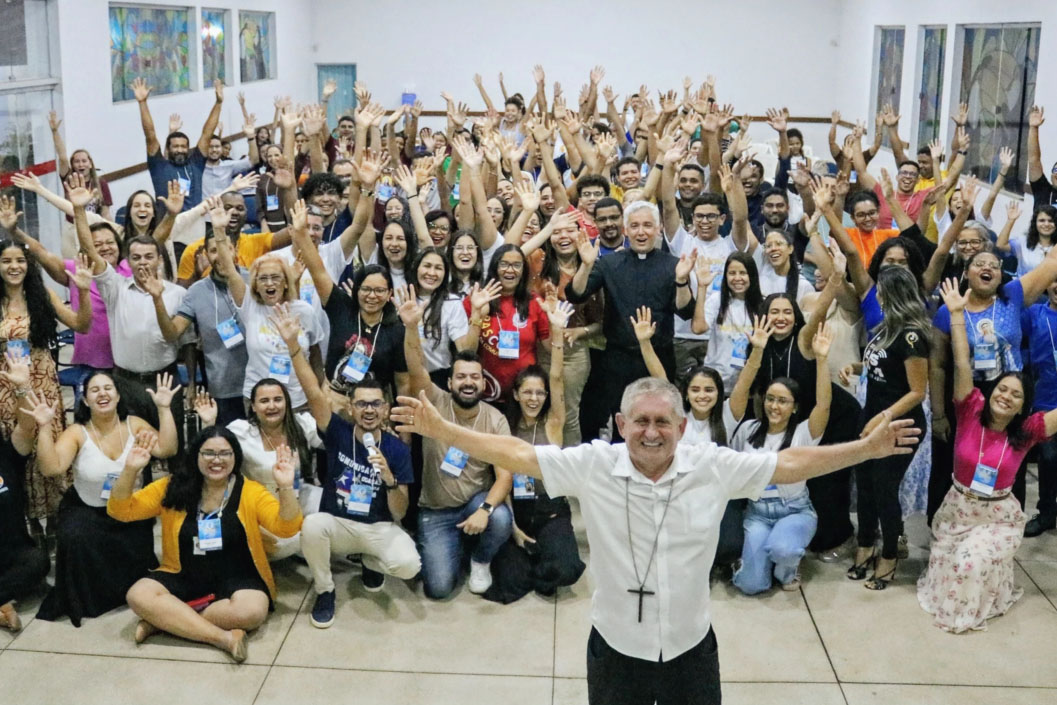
point(652, 508)
point(641, 275)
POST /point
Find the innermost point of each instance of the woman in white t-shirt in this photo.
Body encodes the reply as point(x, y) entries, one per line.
point(271, 282)
point(779, 271)
point(1032, 248)
point(780, 524)
point(728, 314)
point(445, 324)
point(270, 425)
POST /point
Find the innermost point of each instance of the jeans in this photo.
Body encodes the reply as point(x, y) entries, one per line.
point(440, 543)
point(777, 532)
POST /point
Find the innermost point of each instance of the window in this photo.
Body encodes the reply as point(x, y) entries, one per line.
point(930, 91)
point(889, 63)
point(996, 70)
point(256, 45)
point(152, 43)
point(214, 47)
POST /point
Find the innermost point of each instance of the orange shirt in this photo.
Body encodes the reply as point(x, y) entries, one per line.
point(866, 243)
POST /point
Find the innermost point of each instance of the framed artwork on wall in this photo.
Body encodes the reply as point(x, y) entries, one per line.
point(256, 45)
point(152, 43)
point(214, 46)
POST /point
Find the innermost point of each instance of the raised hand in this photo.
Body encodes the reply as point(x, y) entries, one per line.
point(822, 194)
point(249, 128)
point(27, 182)
point(175, 123)
point(77, 191)
point(528, 195)
point(962, 116)
point(1005, 158)
point(283, 176)
point(892, 437)
point(643, 324)
point(313, 120)
point(962, 139)
point(558, 316)
point(82, 272)
point(299, 216)
point(777, 119)
point(288, 325)
point(245, 181)
point(140, 89)
point(206, 408)
point(218, 90)
point(164, 390)
point(407, 306)
point(970, 190)
point(597, 74)
point(820, 344)
point(174, 202)
point(371, 167)
point(220, 218)
point(834, 117)
point(952, 297)
point(886, 184)
point(1012, 211)
point(684, 266)
point(330, 87)
point(587, 250)
point(8, 215)
point(139, 454)
point(363, 96)
point(705, 275)
point(840, 260)
point(891, 117)
point(936, 151)
point(480, 296)
point(17, 372)
point(1036, 116)
point(283, 471)
point(762, 329)
point(405, 180)
point(42, 413)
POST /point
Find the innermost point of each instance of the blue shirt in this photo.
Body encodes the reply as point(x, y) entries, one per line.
point(345, 453)
point(872, 315)
point(162, 171)
point(1040, 325)
point(997, 324)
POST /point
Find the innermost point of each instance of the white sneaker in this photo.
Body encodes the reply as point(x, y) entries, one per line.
point(480, 577)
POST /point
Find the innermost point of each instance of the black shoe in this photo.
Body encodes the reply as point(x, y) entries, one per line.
point(1039, 524)
point(323, 610)
point(372, 580)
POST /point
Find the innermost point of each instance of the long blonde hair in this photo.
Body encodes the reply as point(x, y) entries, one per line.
point(291, 293)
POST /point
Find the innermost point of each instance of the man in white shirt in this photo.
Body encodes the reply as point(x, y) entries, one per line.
point(652, 511)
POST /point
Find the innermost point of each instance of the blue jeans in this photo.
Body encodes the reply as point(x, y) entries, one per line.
point(440, 543)
point(777, 532)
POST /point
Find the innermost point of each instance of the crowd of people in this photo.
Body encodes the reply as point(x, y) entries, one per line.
point(345, 343)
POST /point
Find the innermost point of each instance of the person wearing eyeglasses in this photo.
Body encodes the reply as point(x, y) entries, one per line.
point(365, 490)
point(212, 551)
point(272, 423)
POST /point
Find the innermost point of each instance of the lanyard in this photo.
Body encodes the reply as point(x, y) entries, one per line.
point(1051, 333)
point(1005, 442)
point(454, 420)
point(993, 304)
point(359, 336)
point(788, 360)
point(216, 302)
point(219, 511)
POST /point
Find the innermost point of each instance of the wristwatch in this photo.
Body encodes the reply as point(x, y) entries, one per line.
point(487, 507)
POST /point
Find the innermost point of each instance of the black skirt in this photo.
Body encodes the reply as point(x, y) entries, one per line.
point(97, 560)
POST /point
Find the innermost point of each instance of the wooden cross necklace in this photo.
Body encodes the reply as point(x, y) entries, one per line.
point(640, 590)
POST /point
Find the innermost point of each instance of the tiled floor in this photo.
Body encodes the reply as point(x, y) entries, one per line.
point(832, 643)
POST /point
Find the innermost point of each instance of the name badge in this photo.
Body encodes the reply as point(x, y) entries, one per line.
point(108, 484)
point(717, 269)
point(271, 202)
point(740, 352)
point(280, 367)
point(1055, 358)
point(770, 492)
point(297, 482)
point(454, 461)
point(524, 487)
point(356, 367)
point(18, 347)
point(509, 344)
point(308, 292)
point(209, 534)
point(985, 356)
point(984, 480)
point(185, 185)
point(384, 192)
point(358, 501)
point(229, 333)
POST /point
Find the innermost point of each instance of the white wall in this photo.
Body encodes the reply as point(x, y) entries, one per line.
point(111, 131)
point(857, 46)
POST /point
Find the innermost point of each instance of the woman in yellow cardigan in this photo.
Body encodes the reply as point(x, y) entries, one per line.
point(212, 552)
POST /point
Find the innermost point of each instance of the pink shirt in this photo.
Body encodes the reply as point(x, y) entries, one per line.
point(911, 203)
point(968, 440)
point(93, 348)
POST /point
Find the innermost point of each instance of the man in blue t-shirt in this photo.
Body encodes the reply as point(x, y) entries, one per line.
point(1040, 326)
point(180, 162)
point(365, 494)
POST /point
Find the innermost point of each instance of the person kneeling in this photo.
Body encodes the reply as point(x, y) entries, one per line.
point(365, 491)
point(779, 525)
point(217, 556)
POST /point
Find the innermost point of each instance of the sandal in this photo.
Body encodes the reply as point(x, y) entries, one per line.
point(880, 582)
point(858, 570)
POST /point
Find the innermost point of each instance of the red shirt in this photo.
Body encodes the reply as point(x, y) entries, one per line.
point(911, 203)
point(500, 372)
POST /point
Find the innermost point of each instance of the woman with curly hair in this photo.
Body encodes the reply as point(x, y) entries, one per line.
point(28, 315)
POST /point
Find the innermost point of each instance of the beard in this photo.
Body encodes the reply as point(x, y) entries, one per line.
point(179, 159)
point(466, 403)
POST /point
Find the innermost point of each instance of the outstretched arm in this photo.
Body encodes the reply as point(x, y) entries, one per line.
point(645, 327)
point(289, 329)
point(213, 118)
point(141, 90)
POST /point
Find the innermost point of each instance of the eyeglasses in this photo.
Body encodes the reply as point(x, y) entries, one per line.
point(375, 290)
point(780, 401)
point(375, 404)
point(512, 266)
point(270, 279)
point(440, 228)
point(214, 454)
point(970, 243)
point(866, 214)
point(710, 217)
